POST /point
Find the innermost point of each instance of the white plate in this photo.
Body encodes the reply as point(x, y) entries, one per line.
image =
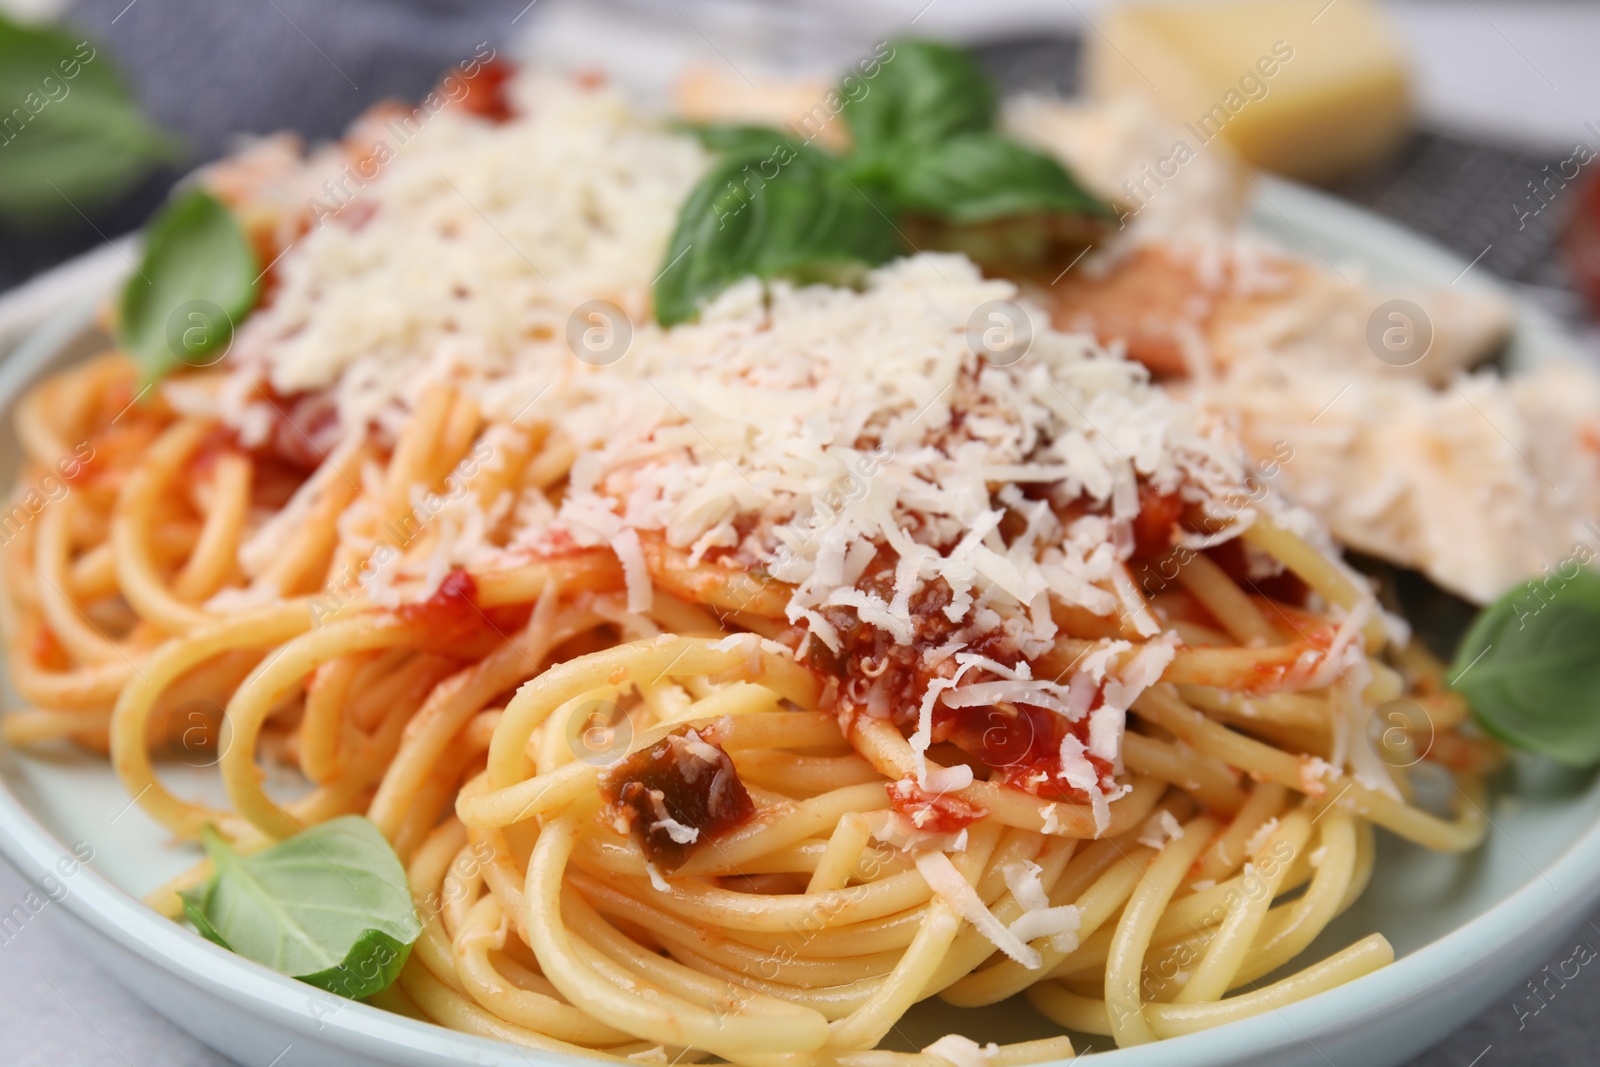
point(1467, 928)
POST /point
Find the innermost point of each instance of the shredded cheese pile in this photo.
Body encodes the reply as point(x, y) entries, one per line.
point(801, 430)
point(464, 257)
point(810, 428)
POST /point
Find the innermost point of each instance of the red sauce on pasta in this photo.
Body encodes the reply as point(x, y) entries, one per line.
point(486, 94)
point(1020, 741)
point(304, 427)
point(452, 612)
point(678, 795)
point(1159, 516)
point(934, 813)
point(1284, 587)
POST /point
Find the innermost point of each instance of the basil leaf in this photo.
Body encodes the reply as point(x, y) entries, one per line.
point(70, 135)
point(1530, 667)
point(924, 92)
point(927, 170)
point(977, 177)
point(329, 906)
point(792, 214)
point(196, 282)
point(747, 142)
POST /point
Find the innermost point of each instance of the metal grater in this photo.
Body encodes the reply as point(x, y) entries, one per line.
point(1470, 195)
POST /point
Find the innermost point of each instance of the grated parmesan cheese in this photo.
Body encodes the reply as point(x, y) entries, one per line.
point(1038, 919)
point(962, 1051)
point(1160, 829)
point(802, 429)
point(657, 882)
point(899, 832)
point(1258, 840)
point(680, 834)
point(635, 574)
point(1315, 772)
point(476, 242)
point(1078, 772)
point(949, 779)
point(947, 883)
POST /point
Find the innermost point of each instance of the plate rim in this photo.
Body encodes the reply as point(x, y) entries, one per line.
point(110, 912)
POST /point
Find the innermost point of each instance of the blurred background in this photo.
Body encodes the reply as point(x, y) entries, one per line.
point(1476, 122)
point(1474, 144)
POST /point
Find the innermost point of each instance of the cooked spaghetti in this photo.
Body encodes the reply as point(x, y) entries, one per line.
point(732, 696)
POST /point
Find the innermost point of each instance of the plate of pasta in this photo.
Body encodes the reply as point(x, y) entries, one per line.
point(802, 577)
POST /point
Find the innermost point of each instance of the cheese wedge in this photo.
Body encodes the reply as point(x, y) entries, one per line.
point(1311, 89)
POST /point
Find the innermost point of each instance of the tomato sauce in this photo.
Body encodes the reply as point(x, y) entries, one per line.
point(47, 652)
point(678, 795)
point(486, 94)
point(934, 813)
point(1020, 741)
point(298, 424)
point(452, 612)
point(1159, 517)
point(213, 444)
point(1285, 587)
point(112, 452)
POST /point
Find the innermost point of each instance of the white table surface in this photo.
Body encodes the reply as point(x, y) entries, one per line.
point(1526, 71)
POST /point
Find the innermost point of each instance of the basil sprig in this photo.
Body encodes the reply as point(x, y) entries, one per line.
point(195, 283)
point(736, 139)
point(807, 223)
point(329, 906)
point(925, 159)
point(925, 92)
point(1530, 668)
point(978, 177)
point(70, 135)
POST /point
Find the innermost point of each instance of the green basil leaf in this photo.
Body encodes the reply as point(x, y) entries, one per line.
point(329, 906)
point(70, 159)
point(978, 177)
point(927, 169)
point(747, 142)
point(1530, 668)
point(194, 908)
point(793, 214)
point(195, 284)
point(71, 136)
point(371, 966)
point(924, 92)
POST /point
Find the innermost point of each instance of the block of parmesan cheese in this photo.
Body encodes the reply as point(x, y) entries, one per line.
point(1311, 89)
